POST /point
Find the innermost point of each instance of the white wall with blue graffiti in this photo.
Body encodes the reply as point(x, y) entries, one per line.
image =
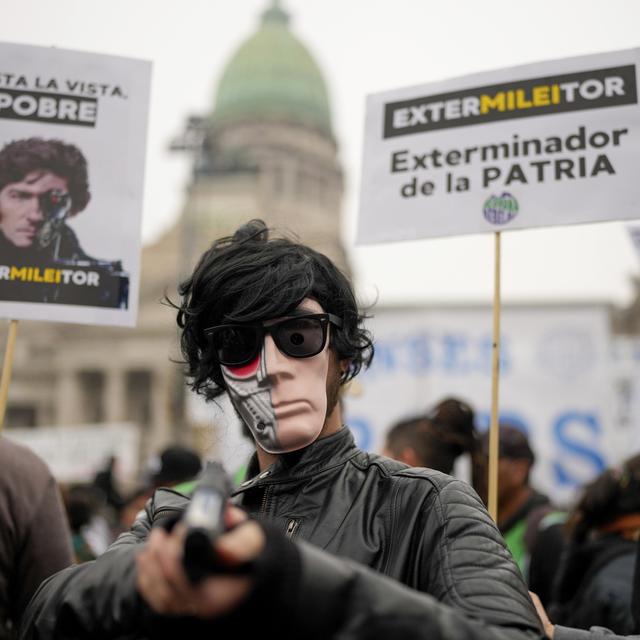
point(556, 381)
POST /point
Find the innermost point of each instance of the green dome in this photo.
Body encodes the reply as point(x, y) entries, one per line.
point(273, 77)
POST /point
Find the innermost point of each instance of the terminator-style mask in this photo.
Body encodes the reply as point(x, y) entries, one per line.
point(276, 374)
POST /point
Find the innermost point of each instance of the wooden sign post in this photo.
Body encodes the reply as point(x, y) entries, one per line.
point(6, 369)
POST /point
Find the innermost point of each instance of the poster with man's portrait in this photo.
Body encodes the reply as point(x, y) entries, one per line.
point(72, 148)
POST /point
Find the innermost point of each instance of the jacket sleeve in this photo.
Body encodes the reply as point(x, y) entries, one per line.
point(96, 599)
point(301, 591)
point(347, 601)
point(595, 633)
point(462, 559)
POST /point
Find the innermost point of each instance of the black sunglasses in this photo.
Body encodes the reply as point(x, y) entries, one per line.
point(301, 336)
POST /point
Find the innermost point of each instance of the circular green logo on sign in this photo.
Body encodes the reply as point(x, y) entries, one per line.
point(500, 209)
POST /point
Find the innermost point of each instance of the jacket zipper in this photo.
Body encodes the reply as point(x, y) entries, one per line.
point(265, 500)
point(292, 527)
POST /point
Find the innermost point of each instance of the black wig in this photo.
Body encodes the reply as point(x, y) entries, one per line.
point(251, 276)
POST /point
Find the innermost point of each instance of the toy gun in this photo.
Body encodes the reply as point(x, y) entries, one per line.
point(204, 519)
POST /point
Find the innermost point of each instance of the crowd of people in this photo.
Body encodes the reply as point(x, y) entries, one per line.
point(320, 539)
point(581, 562)
point(98, 511)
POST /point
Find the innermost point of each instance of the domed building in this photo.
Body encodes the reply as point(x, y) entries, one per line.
point(273, 77)
point(267, 147)
point(265, 150)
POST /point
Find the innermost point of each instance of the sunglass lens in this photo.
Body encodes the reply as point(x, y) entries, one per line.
point(300, 337)
point(235, 345)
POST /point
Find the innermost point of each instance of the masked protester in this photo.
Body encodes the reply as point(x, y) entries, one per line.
point(275, 325)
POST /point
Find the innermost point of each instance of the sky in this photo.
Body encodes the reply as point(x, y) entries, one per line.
point(365, 46)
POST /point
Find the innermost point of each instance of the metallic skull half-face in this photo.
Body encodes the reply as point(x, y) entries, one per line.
point(251, 396)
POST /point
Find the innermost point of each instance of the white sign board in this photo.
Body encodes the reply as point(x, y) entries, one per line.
point(77, 453)
point(537, 145)
point(555, 381)
point(72, 148)
point(626, 375)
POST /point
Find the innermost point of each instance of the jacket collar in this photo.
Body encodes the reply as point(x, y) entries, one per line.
point(323, 454)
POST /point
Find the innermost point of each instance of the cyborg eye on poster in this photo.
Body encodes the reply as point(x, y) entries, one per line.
point(544, 144)
point(72, 148)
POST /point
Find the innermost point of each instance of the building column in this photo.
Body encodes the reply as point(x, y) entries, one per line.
point(159, 433)
point(114, 396)
point(68, 403)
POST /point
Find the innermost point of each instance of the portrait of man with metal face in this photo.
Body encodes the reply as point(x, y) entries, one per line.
point(43, 184)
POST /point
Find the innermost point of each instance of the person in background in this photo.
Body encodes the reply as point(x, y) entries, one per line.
point(175, 466)
point(82, 503)
point(106, 483)
point(133, 505)
point(413, 442)
point(558, 632)
point(435, 440)
point(532, 527)
point(454, 420)
point(595, 583)
point(34, 535)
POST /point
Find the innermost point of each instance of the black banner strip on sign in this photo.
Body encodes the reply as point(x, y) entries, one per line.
point(595, 89)
point(48, 107)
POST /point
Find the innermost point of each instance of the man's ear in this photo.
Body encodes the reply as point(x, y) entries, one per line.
point(344, 368)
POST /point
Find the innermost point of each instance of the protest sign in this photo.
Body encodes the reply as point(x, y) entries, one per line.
point(72, 149)
point(543, 144)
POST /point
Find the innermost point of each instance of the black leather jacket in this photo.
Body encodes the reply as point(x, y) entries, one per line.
point(418, 526)
point(595, 583)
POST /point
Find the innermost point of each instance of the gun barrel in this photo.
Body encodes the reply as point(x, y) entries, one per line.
point(205, 522)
